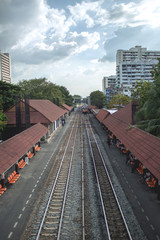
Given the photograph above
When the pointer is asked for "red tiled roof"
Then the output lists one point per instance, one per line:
(125, 113)
(44, 112)
(91, 107)
(14, 148)
(50, 110)
(67, 107)
(102, 114)
(143, 145)
(35, 117)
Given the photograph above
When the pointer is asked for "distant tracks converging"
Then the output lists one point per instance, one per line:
(115, 223)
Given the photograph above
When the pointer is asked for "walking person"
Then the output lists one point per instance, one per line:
(127, 157)
(135, 165)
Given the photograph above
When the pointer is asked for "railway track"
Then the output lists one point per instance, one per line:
(65, 211)
(116, 226)
(51, 224)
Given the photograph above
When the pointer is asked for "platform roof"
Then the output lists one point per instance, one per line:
(127, 112)
(91, 107)
(43, 111)
(14, 148)
(47, 108)
(143, 145)
(68, 108)
(102, 114)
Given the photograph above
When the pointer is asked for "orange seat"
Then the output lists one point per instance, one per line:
(21, 164)
(2, 189)
(124, 151)
(37, 148)
(152, 182)
(140, 168)
(30, 155)
(13, 177)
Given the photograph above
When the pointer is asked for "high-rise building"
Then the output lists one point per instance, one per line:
(134, 65)
(5, 67)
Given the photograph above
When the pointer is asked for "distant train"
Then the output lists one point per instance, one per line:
(84, 109)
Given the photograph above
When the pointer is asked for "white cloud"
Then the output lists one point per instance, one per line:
(90, 12)
(148, 12)
(136, 14)
(85, 40)
(43, 40)
(95, 61)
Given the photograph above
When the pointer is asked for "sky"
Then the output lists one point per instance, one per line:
(73, 43)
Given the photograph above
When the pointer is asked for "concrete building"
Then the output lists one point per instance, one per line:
(5, 67)
(134, 65)
(108, 82)
(109, 87)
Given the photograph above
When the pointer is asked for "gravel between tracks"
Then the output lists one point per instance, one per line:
(134, 227)
(94, 223)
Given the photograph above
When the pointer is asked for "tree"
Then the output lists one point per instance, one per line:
(67, 98)
(77, 98)
(3, 118)
(148, 115)
(34, 87)
(41, 89)
(98, 99)
(53, 93)
(3, 121)
(141, 91)
(119, 100)
(8, 93)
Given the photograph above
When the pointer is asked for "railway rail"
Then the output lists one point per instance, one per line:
(115, 223)
(83, 183)
(52, 221)
(65, 211)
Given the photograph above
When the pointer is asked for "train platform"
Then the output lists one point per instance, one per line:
(17, 151)
(18, 201)
(143, 200)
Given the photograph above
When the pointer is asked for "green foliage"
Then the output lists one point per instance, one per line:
(67, 98)
(3, 121)
(151, 126)
(34, 87)
(43, 89)
(98, 99)
(148, 115)
(141, 91)
(119, 100)
(77, 99)
(51, 91)
(8, 93)
(1, 102)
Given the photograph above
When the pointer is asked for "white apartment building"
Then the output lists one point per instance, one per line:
(5, 67)
(108, 82)
(134, 65)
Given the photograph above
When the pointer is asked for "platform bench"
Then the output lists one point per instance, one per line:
(140, 169)
(21, 163)
(30, 155)
(151, 183)
(37, 148)
(2, 190)
(13, 177)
